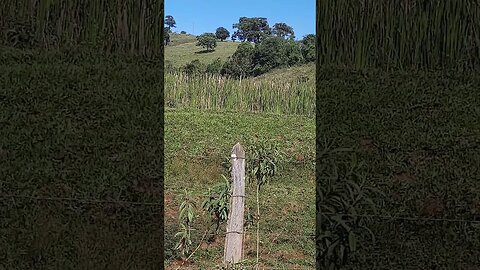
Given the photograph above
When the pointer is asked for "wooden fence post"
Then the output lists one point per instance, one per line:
(234, 236)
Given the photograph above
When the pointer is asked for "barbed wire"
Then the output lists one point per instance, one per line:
(225, 157)
(416, 218)
(90, 201)
(85, 201)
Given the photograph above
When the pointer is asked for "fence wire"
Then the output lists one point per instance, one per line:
(121, 202)
(84, 201)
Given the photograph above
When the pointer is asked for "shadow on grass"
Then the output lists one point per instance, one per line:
(204, 51)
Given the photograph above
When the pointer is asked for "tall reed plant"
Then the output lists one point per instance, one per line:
(115, 25)
(399, 34)
(215, 92)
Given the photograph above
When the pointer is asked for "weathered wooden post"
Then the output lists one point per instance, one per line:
(234, 236)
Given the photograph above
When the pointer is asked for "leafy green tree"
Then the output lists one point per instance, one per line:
(253, 29)
(283, 30)
(274, 53)
(207, 40)
(308, 47)
(183, 32)
(170, 21)
(240, 63)
(222, 33)
(262, 166)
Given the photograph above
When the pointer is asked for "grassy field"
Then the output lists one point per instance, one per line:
(182, 50)
(85, 130)
(178, 39)
(302, 73)
(287, 202)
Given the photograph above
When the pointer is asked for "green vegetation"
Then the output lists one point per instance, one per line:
(273, 49)
(283, 30)
(272, 53)
(275, 53)
(308, 48)
(214, 92)
(253, 29)
(287, 222)
(83, 126)
(222, 33)
(240, 63)
(417, 134)
(208, 41)
(399, 35)
(207, 113)
(53, 24)
(179, 39)
(170, 22)
(398, 86)
(186, 51)
(302, 73)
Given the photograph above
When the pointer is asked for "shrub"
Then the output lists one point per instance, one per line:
(194, 67)
(240, 63)
(308, 48)
(215, 67)
(217, 202)
(274, 53)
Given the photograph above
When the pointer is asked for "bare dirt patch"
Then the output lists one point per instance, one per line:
(181, 264)
(367, 145)
(147, 186)
(404, 178)
(300, 158)
(170, 210)
(432, 206)
(291, 207)
(420, 157)
(291, 255)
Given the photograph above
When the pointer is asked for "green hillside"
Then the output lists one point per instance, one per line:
(182, 50)
(292, 74)
(178, 39)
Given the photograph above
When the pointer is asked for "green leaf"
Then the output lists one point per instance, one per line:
(338, 218)
(352, 241)
(369, 231)
(190, 216)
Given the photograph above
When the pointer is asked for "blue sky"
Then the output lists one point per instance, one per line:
(197, 16)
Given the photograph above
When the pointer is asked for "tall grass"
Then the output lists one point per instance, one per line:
(214, 92)
(115, 25)
(399, 34)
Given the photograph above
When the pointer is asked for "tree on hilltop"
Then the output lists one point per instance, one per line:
(251, 29)
(283, 30)
(207, 40)
(170, 22)
(222, 33)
